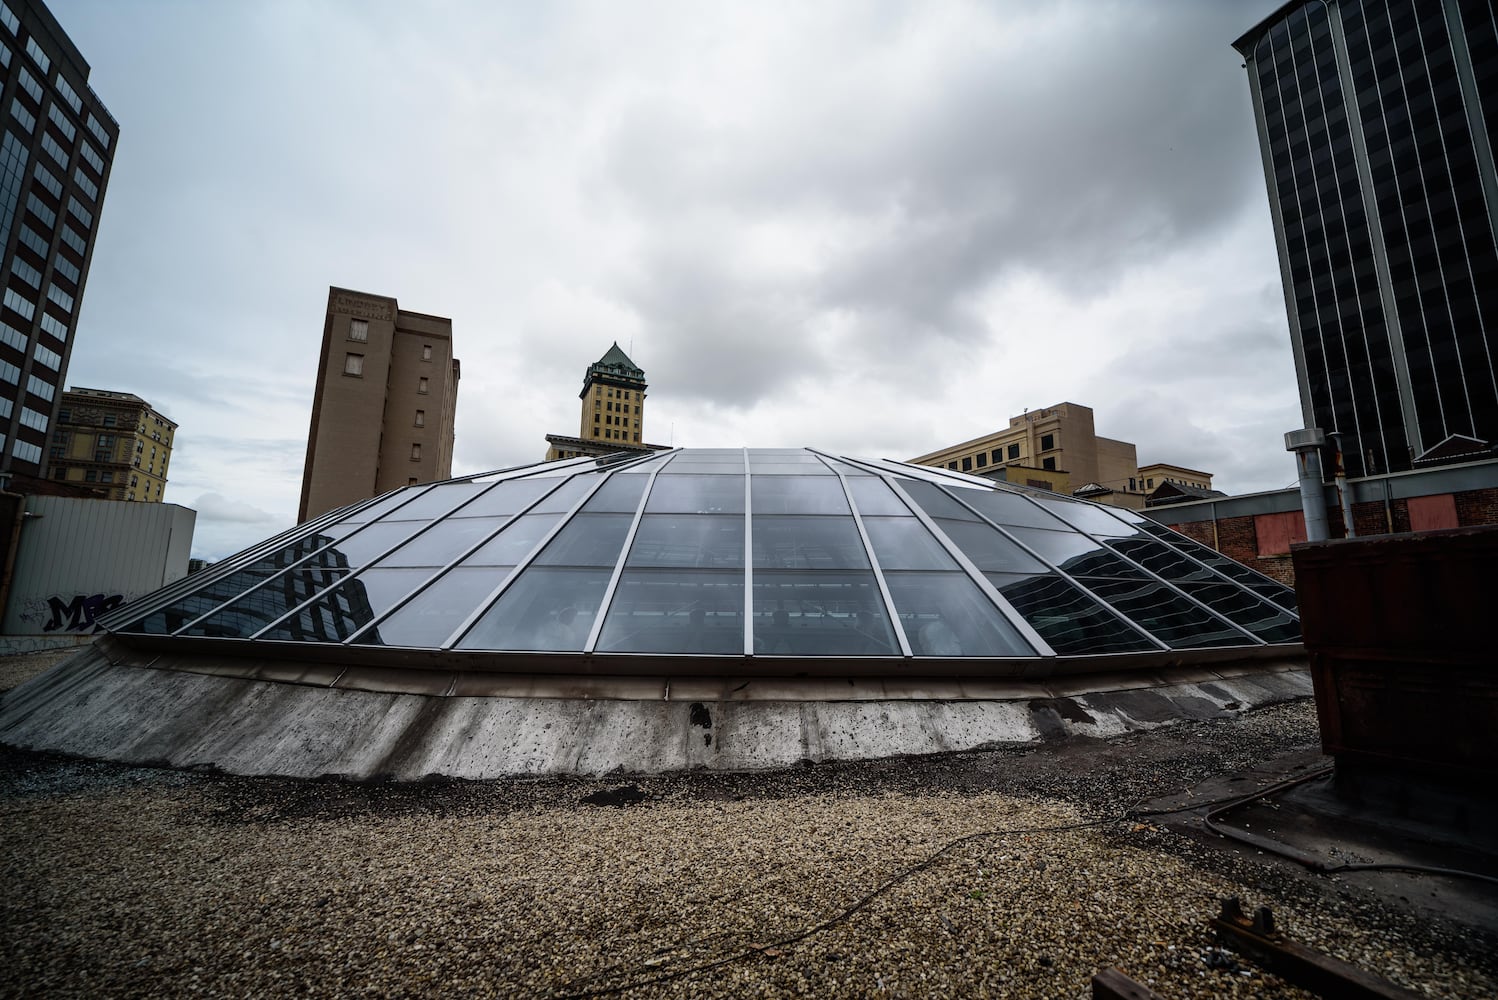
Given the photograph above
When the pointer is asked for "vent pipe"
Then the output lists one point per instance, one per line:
(1307, 444)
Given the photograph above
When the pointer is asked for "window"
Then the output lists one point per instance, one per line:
(73, 240)
(59, 473)
(26, 272)
(15, 338)
(426, 352)
(85, 185)
(26, 451)
(421, 384)
(9, 19)
(47, 180)
(411, 481)
(967, 464)
(59, 296)
(56, 117)
(1149, 484)
(358, 329)
(36, 421)
(92, 158)
(952, 466)
(421, 418)
(54, 150)
(982, 460)
(1131, 484)
(353, 364)
(1013, 452)
(109, 420)
(69, 95)
(1047, 442)
(39, 388)
(90, 476)
(19, 304)
(76, 207)
(18, 112)
(106, 477)
(35, 51)
(47, 357)
(1049, 464)
(416, 453)
(31, 239)
(57, 451)
(29, 84)
(10, 373)
(54, 326)
(98, 130)
(66, 268)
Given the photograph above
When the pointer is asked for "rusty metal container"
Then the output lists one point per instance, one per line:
(1400, 631)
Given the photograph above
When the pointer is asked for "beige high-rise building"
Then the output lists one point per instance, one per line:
(613, 411)
(113, 442)
(384, 407)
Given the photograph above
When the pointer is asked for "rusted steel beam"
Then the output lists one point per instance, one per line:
(1295, 963)
(1111, 984)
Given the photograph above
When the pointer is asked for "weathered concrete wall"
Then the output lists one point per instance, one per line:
(87, 707)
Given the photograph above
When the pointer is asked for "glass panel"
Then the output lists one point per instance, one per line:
(946, 614)
(514, 543)
(546, 608)
(1088, 518)
(435, 613)
(1012, 510)
(1166, 614)
(904, 543)
(821, 614)
(565, 496)
(989, 550)
(1073, 623)
(678, 494)
(1161, 559)
(369, 543)
(784, 468)
(798, 495)
(587, 540)
(437, 501)
(379, 507)
(700, 455)
(734, 467)
(711, 541)
(507, 498)
(1076, 554)
(1238, 605)
(874, 497)
(1232, 569)
(349, 606)
(259, 608)
(621, 494)
(675, 611)
(850, 470)
(936, 503)
(808, 543)
(443, 542)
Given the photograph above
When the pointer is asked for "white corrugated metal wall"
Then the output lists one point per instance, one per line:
(79, 558)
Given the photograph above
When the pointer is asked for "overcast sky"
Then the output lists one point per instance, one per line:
(873, 227)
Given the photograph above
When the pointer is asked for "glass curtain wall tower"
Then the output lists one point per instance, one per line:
(1376, 121)
(56, 148)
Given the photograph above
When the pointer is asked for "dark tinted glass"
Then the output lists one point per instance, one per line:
(1012, 509)
(257, 609)
(1166, 614)
(443, 542)
(808, 543)
(936, 503)
(350, 606)
(587, 540)
(619, 494)
(565, 496)
(820, 614)
(1073, 623)
(510, 497)
(1161, 559)
(1088, 518)
(437, 501)
(1261, 618)
(436, 612)
(1076, 554)
(675, 611)
(515, 542)
(946, 614)
(369, 543)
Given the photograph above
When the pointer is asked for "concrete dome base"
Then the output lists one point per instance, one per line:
(89, 707)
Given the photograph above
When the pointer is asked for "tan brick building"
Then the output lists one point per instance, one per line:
(111, 442)
(613, 411)
(384, 407)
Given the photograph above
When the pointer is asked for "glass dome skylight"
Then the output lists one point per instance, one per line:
(723, 553)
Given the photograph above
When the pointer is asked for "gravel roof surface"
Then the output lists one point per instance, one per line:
(997, 873)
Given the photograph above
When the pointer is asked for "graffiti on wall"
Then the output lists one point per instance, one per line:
(75, 614)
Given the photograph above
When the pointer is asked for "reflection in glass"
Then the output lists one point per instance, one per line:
(565, 496)
(260, 607)
(1236, 604)
(808, 543)
(510, 497)
(704, 540)
(989, 550)
(443, 542)
(1076, 554)
(1013, 510)
(369, 543)
(685, 494)
(546, 608)
(904, 543)
(1073, 623)
(385, 505)
(1165, 614)
(1088, 518)
(439, 501)
(1161, 559)
(350, 606)
(619, 494)
(434, 614)
(675, 611)
(820, 614)
(1232, 569)
(798, 494)
(514, 543)
(946, 614)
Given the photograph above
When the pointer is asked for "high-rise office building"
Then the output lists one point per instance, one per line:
(112, 441)
(1376, 122)
(56, 149)
(384, 407)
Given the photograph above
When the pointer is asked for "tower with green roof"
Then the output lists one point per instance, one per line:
(613, 399)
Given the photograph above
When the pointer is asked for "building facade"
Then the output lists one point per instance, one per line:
(1056, 439)
(613, 411)
(1376, 124)
(384, 409)
(56, 149)
(112, 441)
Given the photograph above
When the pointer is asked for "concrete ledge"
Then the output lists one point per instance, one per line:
(89, 707)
